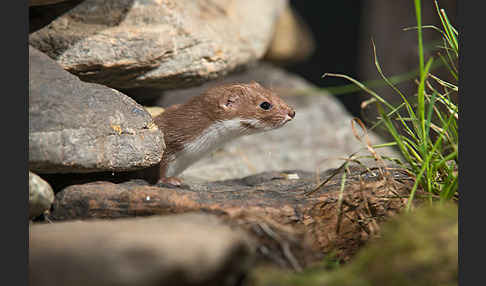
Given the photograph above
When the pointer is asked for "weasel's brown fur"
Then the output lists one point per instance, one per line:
(230, 110)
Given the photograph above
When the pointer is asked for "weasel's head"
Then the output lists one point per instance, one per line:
(257, 108)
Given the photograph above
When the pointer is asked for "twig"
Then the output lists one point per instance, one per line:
(283, 245)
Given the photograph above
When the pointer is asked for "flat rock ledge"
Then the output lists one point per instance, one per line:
(185, 249)
(294, 222)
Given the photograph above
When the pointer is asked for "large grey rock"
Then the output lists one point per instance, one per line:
(188, 249)
(43, 12)
(163, 44)
(84, 127)
(41, 195)
(44, 2)
(318, 138)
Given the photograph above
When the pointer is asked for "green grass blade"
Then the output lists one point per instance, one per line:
(450, 67)
(450, 189)
(421, 102)
(418, 14)
(363, 87)
(429, 114)
(401, 146)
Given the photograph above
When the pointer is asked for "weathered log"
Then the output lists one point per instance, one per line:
(270, 205)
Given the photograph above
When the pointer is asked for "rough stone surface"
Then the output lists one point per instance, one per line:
(189, 249)
(41, 195)
(308, 223)
(164, 44)
(44, 2)
(84, 127)
(318, 138)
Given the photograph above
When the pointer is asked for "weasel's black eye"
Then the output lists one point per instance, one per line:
(265, 105)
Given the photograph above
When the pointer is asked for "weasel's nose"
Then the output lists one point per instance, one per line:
(292, 113)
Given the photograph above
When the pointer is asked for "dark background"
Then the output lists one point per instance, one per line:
(343, 30)
(335, 28)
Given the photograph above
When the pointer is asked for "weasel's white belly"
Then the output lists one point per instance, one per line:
(184, 159)
(213, 137)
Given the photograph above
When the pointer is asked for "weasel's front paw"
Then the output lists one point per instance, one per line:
(177, 182)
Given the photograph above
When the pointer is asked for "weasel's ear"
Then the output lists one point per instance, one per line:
(229, 100)
(231, 97)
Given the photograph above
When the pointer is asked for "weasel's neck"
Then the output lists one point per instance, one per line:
(212, 137)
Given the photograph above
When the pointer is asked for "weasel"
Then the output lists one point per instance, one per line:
(207, 121)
